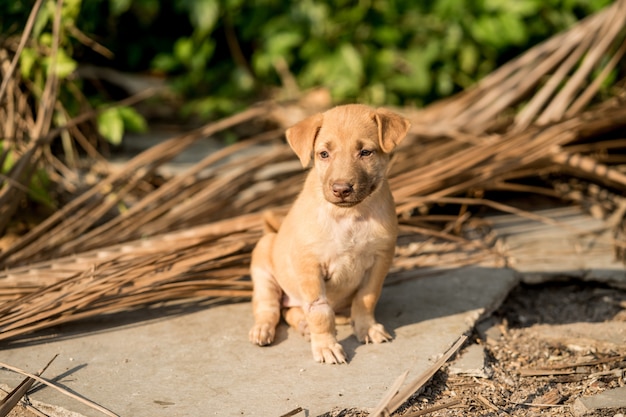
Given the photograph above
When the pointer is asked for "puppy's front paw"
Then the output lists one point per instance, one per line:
(375, 333)
(326, 349)
(262, 334)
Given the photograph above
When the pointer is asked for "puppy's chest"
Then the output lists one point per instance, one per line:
(351, 248)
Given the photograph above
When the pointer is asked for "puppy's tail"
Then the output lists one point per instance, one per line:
(271, 222)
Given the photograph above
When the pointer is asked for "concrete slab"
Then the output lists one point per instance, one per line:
(471, 362)
(560, 243)
(613, 399)
(200, 363)
(489, 330)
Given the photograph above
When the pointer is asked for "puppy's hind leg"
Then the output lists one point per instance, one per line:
(294, 316)
(266, 295)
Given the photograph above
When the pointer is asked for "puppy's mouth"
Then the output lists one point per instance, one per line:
(345, 204)
(352, 199)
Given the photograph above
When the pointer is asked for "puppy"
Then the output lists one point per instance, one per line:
(334, 248)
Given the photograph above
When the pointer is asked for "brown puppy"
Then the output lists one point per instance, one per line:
(334, 247)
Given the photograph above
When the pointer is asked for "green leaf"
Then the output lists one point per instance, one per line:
(420, 74)
(486, 30)
(133, 121)
(201, 55)
(27, 62)
(468, 58)
(118, 7)
(283, 42)
(388, 35)
(64, 64)
(183, 50)
(242, 79)
(376, 94)
(165, 62)
(70, 11)
(111, 125)
(38, 189)
(513, 29)
(46, 39)
(9, 160)
(445, 85)
(450, 9)
(203, 15)
(352, 59)
(517, 7)
(43, 16)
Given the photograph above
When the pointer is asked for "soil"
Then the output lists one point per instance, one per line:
(570, 335)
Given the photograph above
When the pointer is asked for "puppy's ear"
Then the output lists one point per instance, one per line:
(301, 137)
(392, 128)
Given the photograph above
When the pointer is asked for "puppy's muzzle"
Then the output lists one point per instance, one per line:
(342, 190)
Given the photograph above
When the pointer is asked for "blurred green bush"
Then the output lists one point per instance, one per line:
(221, 54)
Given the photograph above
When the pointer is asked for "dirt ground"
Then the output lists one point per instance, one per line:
(545, 347)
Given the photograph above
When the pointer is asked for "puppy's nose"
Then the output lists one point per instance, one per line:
(342, 189)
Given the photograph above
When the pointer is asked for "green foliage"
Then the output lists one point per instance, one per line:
(375, 51)
(113, 121)
(36, 63)
(220, 54)
(38, 188)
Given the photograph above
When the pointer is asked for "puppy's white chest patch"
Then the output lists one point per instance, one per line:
(352, 234)
(350, 249)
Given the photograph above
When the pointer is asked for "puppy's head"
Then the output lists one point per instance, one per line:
(350, 147)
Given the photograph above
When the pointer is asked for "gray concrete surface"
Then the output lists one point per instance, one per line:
(560, 243)
(200, 363)
(613, 399)
(472, 362)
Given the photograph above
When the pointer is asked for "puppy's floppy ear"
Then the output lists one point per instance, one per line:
(301, 137)
(392, 128)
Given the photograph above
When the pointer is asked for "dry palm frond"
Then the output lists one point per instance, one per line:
(208, 261)
(26, 122)
(192, 236)
(86, 211)
(566, 61)
(16, 182)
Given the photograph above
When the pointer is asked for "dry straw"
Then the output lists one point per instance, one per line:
(190, 238)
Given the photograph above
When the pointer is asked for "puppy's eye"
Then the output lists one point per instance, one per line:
(365, 152)
(324, 154)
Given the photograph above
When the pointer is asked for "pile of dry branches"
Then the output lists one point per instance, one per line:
(538, 117)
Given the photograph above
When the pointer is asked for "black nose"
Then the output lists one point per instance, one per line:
(342, 189)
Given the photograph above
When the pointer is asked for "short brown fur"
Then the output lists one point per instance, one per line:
(334, 248)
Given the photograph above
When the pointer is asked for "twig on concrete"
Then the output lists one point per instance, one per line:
(391, 392)
(63, 391)
(402, 395)
(10, 401)
(293, 412)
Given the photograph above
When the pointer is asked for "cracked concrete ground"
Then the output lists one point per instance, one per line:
(201, 363)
